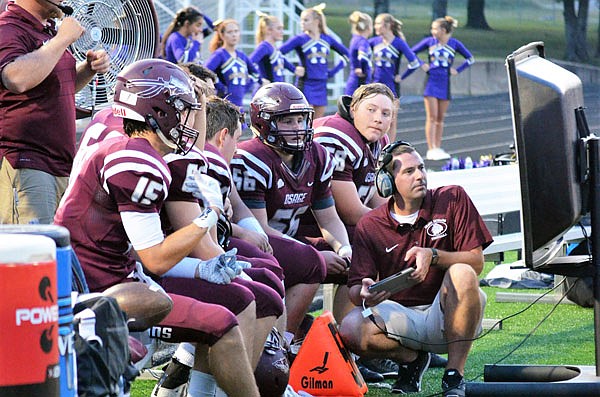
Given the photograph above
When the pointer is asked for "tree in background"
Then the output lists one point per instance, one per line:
(598, 44)
(576, 30)
(439, 9)
(381, 6)
(475, 15)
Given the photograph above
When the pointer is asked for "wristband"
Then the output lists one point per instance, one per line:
(207, 219)
(251, 223)
(345, 251)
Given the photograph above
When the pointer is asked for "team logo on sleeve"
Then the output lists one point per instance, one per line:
(437, 229)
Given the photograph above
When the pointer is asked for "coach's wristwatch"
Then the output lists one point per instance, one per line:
(434, 256)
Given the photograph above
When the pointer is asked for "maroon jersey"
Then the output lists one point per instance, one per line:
(447, 220)
(181, 167)
(103, 126)
(354, 158)
(218, 169)
(121, 175)
(265, 181)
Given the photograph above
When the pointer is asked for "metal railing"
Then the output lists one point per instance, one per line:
(244, 11)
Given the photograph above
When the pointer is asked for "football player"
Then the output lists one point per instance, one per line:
(280, 175)
(111, 209)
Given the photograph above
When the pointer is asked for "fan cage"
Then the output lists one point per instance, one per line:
(126, 30)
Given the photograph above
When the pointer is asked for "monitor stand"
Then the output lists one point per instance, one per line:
(557, 380)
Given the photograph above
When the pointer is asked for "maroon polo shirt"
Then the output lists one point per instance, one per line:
(447, 221)
(37, 127)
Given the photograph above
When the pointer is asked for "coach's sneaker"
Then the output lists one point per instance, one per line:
(368, 375)
(386, 367)
(410, 375)
(173, 382)
(453, 384)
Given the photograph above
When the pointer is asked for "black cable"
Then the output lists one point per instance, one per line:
(371, 316)
(534, 328)
(519, 345)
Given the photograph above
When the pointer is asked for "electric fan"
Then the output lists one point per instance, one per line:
(126, 29)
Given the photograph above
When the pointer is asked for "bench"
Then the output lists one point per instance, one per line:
(495, 191)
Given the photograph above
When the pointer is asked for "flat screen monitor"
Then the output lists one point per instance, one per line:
(546, 101)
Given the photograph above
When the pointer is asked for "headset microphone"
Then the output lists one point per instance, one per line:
(67, 10)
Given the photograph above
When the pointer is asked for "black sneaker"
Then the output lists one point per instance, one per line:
(411, 374)
(453, 384)
(173, 382)
(386, 367)
(438, 361)
(368, 375)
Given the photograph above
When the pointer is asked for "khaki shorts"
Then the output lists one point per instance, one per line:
(416, 324)
(29, 196)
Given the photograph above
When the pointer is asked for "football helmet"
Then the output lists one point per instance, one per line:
(273, 370)
(269, 104)
(160, 94)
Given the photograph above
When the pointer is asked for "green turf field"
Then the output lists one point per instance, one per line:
(566, 337)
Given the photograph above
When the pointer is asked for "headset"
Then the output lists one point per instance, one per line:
(384, 180)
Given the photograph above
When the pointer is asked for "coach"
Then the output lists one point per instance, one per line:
(441, 235)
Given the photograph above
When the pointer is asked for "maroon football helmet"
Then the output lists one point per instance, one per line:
(271, 102)
(273, 370)
(160, 94)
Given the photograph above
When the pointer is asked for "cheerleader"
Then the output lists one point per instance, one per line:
(313, 47)
(361, 65)
(266, 56)
(442, 48)
(388, 47)
(234, 69)
(183, 37)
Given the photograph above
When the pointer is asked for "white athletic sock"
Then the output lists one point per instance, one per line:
(185, 354)
(289, 337)
(202, 385)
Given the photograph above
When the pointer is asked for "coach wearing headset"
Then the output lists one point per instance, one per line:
(439, 233)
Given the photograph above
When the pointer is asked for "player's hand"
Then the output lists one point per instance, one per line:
(299, 71)
(204, 188)
(221, 269)
(227, 208)
(259, 240)
(335, 263)
(425, 67)
(453, 71)
(359, 72)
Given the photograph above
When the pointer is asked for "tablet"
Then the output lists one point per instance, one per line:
(395, 283)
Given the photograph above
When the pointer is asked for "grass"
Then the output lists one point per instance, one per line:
(566, 337)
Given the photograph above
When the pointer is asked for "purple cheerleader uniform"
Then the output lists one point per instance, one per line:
(270, 62)
(180, 49)
(441, 58)
(313, 56)
(386, 61)
(236, 74)
(360, 57)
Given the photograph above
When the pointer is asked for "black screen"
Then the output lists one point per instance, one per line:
(544, 100)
